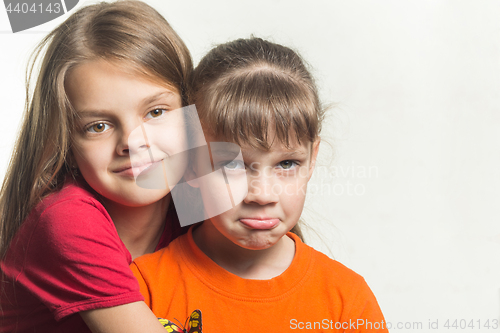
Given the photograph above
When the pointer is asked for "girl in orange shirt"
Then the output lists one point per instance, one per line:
(243, 269)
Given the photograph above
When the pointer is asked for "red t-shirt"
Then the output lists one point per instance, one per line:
(67, 257)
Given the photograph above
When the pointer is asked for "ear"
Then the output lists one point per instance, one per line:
(314, 156)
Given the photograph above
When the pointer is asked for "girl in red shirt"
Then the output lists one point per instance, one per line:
(72, 217)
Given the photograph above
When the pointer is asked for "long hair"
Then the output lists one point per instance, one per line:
(248, 88)
(130, 32)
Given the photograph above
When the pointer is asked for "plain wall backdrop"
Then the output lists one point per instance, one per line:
(407, 192)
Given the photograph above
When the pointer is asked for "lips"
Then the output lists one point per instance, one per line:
(260, 223)
(137, 169)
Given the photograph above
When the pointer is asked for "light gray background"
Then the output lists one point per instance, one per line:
(410, 199)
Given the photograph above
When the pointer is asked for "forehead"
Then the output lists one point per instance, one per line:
(279, 150)
(109, 67)
(97, 84)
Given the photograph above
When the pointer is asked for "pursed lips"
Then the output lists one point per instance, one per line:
(260, 223)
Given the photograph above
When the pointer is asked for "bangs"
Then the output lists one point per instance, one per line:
(259, 106)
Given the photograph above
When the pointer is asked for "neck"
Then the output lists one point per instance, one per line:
(262, 264)
(139, 228)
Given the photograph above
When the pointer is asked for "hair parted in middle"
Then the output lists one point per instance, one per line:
(132, 35)
(254, 92)
(248, 88)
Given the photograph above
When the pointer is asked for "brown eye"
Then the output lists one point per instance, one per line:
(98, 128)
(155, 113)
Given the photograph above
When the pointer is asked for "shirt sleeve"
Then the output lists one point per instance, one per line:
(74, 260)
(364, 312)
(143, 286)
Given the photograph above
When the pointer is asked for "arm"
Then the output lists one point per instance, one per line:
(128, 318)
(91, 266)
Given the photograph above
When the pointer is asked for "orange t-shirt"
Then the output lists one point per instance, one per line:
(315, 293)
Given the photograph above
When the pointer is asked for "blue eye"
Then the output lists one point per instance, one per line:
(234, 165)
(155, 113)
(98, 128)
(287, 164)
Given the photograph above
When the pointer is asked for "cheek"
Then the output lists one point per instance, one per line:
(215, 194)
(293, 196)
(167, 134)
(175, 168)
(173, 141)
(90, 157)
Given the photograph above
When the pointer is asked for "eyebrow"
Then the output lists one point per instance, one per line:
(219, 155)
(154, 98)
(294, 153)
(91, 113)
(225, 153)
(284, 154)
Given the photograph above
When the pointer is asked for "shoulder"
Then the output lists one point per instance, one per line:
(72, 206)
(159, 273)
(73, 197)
(161, 265)
(69, 235)
(331, 276)
(337, 269)
(65, 220)
(328, 266)
(329, 272)
(165, 256)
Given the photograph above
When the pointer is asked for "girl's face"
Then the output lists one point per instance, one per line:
(111, 103)
(277, 181)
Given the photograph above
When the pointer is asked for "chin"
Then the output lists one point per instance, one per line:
(140, 199)
(257, 244)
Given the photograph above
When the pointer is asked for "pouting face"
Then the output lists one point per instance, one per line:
(111, 103)
(276, 182)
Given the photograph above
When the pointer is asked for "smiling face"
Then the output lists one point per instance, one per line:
(111, 103)
(276, 180)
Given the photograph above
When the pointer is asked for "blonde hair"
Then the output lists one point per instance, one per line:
(130, 32)
(248, 88)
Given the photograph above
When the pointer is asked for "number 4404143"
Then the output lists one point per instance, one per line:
(34, 8)
(471, 324)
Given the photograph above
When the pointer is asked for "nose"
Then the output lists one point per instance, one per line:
(132, 138)
(262, 190)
